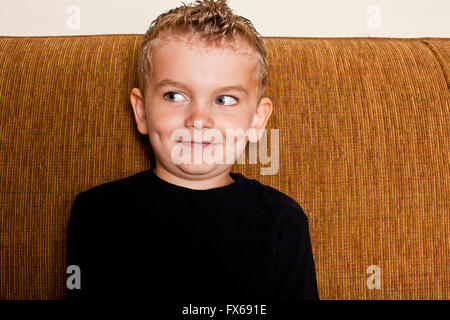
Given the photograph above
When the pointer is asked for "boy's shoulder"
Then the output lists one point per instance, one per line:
(108, 203)
(116, 188)
(276, 200)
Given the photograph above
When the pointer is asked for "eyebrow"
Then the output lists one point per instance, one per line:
(167, 82)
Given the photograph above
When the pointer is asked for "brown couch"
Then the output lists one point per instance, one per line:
(364, 129)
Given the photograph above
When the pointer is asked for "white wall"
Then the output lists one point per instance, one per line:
(301, 18)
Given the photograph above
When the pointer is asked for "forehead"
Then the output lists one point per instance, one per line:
(187, 56)
(194, 41)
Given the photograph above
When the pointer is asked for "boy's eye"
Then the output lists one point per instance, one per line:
(174, 96)
(226, 100)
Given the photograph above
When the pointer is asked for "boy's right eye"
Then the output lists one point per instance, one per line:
(174, 96)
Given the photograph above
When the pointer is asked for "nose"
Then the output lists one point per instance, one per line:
(199, 117)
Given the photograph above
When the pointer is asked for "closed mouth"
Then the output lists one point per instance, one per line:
(193, 142)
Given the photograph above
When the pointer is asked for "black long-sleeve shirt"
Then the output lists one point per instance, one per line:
(143, 238)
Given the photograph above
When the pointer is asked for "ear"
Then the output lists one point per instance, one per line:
(260, 118)
(138, 103)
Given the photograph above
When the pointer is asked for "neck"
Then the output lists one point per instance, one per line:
(197, 182)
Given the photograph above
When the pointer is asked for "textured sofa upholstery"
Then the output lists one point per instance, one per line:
(364, 133)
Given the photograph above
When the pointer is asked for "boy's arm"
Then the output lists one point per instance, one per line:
(77, 248)
(295, 276)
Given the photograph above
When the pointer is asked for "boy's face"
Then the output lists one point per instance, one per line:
(198, 88)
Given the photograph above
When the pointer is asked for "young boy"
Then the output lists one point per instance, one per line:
(188, 229)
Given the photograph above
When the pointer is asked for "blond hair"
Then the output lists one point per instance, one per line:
(214, 22)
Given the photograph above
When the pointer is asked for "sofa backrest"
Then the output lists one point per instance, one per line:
(363, 126)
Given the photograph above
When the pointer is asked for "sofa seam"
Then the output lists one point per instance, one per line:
(439, 60)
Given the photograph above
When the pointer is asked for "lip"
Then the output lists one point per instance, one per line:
(193, 143)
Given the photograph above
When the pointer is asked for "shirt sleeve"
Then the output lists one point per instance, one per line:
(78, 248)
(295, 276)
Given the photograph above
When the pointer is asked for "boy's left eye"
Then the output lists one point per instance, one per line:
(226, 100)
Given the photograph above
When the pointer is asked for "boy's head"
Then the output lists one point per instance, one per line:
(215, 24)
(202, 70)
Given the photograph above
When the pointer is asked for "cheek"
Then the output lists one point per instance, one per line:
(163, 122)
(241, 121)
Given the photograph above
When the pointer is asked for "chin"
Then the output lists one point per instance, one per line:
(197, 169)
